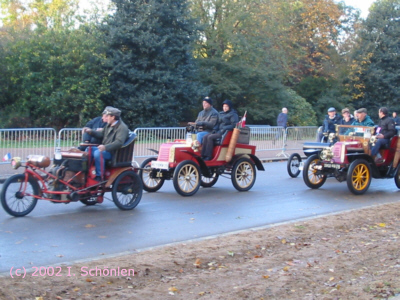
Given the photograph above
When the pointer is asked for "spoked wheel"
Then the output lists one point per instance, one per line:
(359, 177)
(310, 176)
(293, 165)
(149, 184)
(207, 182)
(243, 174)
(17, 195)
(397, 178)
(127, 190)
(187, 178)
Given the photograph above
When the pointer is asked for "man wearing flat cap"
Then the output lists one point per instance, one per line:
(363, 119)
(113, 137)
(206, 120)
(331, 119)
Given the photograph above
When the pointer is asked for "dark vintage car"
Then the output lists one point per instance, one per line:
(181, 162)
(350, 160)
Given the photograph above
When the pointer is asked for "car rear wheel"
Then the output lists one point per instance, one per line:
(243, 174)
(310, 176)
(359, 176)
(187, 178)
(293, 165)
(127, 190)
(149, 184)
(207, 182)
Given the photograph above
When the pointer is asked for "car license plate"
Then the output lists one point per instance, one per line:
(301, 166)
(164, 165)
(333, 166)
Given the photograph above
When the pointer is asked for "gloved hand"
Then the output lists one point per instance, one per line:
(326, 134)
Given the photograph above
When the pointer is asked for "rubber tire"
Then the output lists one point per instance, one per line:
(33, 187)
(127, 186)
(397, 178)
(191, 172)
(359, 173)
(207, 182)
(243, 171)
(89, 202)
(307, 173)
(159, 182)
(292, 166)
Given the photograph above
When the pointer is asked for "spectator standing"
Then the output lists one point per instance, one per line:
(396, 119)
(282, 121)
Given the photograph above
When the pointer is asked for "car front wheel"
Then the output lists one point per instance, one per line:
(359, 176)
(187, 178)
(310, 176)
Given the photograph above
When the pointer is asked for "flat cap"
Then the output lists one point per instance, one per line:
(106, 109)
(112, 111)
(362, 110)
(331, 109)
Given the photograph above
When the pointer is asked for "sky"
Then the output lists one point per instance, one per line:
(363, 5)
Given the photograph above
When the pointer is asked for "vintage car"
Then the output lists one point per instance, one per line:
(71, 179)
(350, 160)
(181, 161)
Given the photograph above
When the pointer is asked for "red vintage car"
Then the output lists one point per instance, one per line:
(71, 179)
(350, 160)
(181, 161)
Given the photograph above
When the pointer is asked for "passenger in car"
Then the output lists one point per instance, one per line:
(227, 120)
(363, 119)
(385, 131)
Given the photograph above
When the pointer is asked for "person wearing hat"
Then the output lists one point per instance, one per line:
(97, 124)
(331, 119)
(227, 120)
(363, 119)
(112, 138)
(384, 132)
(206, 120)
(347, 118)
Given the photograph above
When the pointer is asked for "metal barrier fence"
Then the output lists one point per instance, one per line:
(25, 141)
(152, 138)
(272, 141)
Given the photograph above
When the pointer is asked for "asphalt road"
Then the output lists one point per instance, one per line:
(60, 233)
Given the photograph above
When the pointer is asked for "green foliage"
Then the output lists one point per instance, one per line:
(152, 73)
(375, 81)
(300, 112)
(54, 77)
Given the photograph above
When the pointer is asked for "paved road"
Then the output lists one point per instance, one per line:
(59, 233)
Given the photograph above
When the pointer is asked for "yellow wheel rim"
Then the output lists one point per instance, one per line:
(360, 177)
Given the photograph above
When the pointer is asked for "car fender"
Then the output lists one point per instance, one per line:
(116, 174)
(254, 158)
(203, 167)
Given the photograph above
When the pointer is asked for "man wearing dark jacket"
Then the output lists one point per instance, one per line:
(331, 119)
(97, 124)
(113, 137)
(226, 122)
(385, 131)
(207, 119)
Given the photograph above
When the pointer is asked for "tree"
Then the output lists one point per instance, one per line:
(54, 78)
(375, 72)
(152, 73)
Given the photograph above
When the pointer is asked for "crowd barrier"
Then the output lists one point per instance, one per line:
(272, 141)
